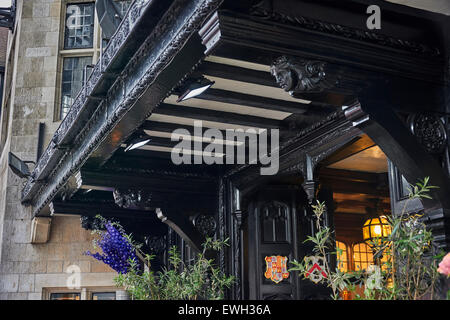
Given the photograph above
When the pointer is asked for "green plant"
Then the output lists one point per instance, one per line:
(411, 273)
(323, 243)
(200, 280)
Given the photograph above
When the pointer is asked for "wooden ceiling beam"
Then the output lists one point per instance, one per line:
(159, 182)
(167, 142)
(167, 127)
(356, 146)
(265, 103)
(105, 209)
(218, 116)
(230, 72)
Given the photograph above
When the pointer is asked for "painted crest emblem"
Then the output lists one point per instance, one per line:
(276, 268)
(315, 268)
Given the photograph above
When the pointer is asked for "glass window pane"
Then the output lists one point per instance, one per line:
(342, 260)
(72, 80)
(79, 28)
(362, 255)
(65, 296)
(104, 296)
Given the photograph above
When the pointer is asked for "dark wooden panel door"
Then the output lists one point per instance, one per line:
(273, 230)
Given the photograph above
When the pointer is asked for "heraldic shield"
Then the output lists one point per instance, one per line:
(276, 268)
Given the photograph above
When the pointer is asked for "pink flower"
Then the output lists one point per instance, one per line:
(444, 266)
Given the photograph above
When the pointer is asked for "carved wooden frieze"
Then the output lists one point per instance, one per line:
(429, 131)
(67, 129)
(298, 76)
(264, 9)
(156, 244)
(88, 128)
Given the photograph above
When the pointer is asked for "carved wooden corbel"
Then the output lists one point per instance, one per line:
(133, 198)
(300, 76)
(183, 227)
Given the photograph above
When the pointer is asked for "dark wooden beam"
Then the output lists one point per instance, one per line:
(217, 116)
(230, 72)
(267, 32)
(167, 142)
(105, 209)
(358, 145)
(324, 99)
(344, 205)
(171, 127)
(162, 182)
(265, 103)
(346, 181)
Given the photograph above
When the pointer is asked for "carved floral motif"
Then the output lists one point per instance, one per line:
(205, 224)
(429, 131)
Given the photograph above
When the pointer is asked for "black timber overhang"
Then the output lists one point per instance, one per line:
(159, 44)
(145, 44)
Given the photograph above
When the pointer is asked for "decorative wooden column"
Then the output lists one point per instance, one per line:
(237, 246)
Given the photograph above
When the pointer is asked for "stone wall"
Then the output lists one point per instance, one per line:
(25, 268)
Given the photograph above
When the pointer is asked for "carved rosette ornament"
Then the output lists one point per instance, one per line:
(156, 244)
(298, 76)
(132, 198)
(429, 131)
(206, 225)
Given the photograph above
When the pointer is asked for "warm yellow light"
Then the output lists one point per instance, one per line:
(377, 231)
(376, 228)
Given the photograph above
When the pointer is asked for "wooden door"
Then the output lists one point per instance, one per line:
(272, 231)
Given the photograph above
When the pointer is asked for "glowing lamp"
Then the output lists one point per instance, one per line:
(375, 229)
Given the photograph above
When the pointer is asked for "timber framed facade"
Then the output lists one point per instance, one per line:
(312, 70)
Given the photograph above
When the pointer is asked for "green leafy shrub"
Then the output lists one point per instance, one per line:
(201, 280)
(178, 281)
(410, 274)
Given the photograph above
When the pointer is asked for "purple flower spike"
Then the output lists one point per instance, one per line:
(117, 251)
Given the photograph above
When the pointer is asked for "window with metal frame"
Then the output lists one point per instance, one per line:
(72, 80)
(79, 26)
(362, 256)
(342, 256)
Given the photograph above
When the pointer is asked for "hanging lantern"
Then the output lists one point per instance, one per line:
(375, 229)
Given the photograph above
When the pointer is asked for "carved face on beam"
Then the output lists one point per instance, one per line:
(299, 76)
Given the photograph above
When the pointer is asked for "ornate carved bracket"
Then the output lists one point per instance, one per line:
(298, 76)
(183, 227)
(91, 223)
(133, 198)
